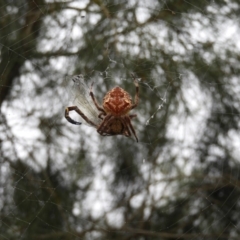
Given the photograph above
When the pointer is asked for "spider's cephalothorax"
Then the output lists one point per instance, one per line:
(114, 112)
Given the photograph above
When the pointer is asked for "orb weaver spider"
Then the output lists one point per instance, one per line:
(113, 116)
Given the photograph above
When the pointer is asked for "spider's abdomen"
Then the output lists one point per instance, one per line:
(117, 102)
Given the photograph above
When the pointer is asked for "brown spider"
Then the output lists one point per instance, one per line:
(114, 113)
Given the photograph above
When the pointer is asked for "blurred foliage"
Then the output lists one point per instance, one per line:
(181, 181)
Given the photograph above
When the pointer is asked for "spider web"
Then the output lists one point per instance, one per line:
(62, 181)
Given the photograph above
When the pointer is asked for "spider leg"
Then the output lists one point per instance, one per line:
(128, 120)
(136, 99)
(95, 101)
(101, 115)
(67, 110)
(77, 110)
(126, 131)
(104, 123)
(132, 116)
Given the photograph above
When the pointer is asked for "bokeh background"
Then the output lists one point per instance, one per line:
(62, 181)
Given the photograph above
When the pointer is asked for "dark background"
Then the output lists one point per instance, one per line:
(60, 181)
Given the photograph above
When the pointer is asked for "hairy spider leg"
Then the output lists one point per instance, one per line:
(77, 110)
(132, 116)
(103, 124)
(95, 101)
(102, 115)
(126, 131)
(128, 120)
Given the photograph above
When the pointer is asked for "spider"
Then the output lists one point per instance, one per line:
(113, 115)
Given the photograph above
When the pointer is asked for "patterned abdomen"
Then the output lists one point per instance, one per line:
(117, 102)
